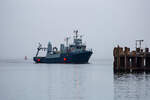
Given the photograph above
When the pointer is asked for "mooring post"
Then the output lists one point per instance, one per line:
(115, 59)
(125, 58)
(118, 58)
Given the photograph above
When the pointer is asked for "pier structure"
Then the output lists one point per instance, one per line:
(127, 61)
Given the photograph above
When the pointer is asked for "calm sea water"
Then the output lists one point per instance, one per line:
(24, 80)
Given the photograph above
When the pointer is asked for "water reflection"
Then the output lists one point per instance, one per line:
(132, 86)
(80, 82)
(77, 80)
(66, 83)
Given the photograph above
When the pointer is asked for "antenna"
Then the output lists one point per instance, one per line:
(67, 40)
(139, 42)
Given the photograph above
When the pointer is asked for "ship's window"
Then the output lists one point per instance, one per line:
(71, 45)
(78, 47)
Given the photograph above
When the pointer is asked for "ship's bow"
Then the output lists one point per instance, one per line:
(82, 57)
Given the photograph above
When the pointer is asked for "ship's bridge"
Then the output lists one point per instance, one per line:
(77, 47)
(78, 41)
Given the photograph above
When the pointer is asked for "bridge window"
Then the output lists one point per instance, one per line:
(78, 47)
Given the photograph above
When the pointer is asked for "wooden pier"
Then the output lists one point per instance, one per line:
(126, 61)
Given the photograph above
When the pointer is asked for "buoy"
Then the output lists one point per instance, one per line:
(25, 58)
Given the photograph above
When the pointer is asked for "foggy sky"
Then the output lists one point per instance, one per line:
(104, 24)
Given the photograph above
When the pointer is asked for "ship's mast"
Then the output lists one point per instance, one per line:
(76, 33)
(67, 41)
(77, 38)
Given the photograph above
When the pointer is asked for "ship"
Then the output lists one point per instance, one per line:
(76, 52)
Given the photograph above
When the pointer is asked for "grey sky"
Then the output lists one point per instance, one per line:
(105, 23)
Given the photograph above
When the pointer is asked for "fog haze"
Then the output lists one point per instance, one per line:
(104, 24)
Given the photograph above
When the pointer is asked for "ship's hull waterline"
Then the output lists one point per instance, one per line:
(81, 57)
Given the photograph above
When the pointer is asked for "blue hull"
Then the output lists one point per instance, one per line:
(82, 57)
